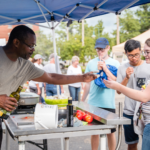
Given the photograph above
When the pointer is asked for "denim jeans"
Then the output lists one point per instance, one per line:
(74, 92)
(34, 90)
(51, 89)
(146, 138)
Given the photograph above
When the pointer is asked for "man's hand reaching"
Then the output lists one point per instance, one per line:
(88, 77)
(8, 103)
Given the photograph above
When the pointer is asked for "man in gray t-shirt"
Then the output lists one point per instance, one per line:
(132, 74)
(15, 69)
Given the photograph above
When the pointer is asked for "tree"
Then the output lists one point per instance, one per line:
(74, 45)
(143, 14)
(129, 26)
(44, 45)
(63, 32)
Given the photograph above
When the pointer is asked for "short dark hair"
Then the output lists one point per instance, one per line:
(130, 45)
(147, 42)
(20, 32)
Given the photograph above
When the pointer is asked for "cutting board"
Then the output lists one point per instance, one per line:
(23, 120)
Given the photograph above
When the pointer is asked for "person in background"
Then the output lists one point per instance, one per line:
(99, 96)
(142, 96)
(74, 69)
(16, 69)
(36, 87)
(30, 59)
(132, 74)
(51, 89)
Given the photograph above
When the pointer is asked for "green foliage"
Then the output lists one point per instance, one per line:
(133, 23)
(142, 57)
(129, 26)
(74, 45)
(44, 45)
(143, 14)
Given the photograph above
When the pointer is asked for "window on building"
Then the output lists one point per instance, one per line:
(9, 26)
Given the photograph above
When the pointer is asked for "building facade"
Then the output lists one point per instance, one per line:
(6, 29)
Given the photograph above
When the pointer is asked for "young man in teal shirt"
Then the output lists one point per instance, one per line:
(101, 97)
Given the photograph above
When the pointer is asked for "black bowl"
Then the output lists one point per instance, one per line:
(62, 113)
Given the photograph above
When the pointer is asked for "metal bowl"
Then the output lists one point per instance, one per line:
(62, 113)
(28, 98)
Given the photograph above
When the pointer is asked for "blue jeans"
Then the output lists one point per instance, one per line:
(34, 90)
(74, 92)
(146, 138)
(51, 89)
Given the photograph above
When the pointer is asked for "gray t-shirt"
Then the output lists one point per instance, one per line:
(138, 78)
(13, 74)
(50, 68)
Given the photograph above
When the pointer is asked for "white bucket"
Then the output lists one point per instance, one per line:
(46, 116)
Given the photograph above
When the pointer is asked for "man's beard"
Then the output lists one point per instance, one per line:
(25, 57)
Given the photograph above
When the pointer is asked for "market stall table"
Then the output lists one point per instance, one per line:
(106, 121)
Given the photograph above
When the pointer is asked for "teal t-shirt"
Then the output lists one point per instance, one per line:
(101, 97)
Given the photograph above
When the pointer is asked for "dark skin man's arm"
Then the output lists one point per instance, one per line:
(59, 79)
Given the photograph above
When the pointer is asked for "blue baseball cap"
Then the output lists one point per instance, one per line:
(101, 43)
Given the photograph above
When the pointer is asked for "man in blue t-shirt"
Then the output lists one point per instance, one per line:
(101, 97)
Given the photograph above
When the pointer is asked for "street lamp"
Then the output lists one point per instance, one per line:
(93, 36)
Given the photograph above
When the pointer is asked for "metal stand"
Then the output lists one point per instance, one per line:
(39, 145)
(7, 140)
(21, 145)
(67, 143)
(103, 142)
(45, 146)
(119, 127)
(62, 143)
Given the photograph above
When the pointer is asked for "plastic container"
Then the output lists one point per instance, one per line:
(46, 116)
(59, 102)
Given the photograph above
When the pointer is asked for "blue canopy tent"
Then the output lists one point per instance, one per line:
(29, 11)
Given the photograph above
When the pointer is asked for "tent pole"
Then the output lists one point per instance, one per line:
(64, 16)
(55, 53)
(97, 7)
(8, 23)
(82, 32)
(130, 4)
(43, 15)
(24, 22)
(118, 38)
(104, 1)
(7, 18)
(35, 16)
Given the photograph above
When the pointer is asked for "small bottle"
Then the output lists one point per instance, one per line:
(4, 113)
(69, 113)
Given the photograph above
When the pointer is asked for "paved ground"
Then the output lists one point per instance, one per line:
(76, 143)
